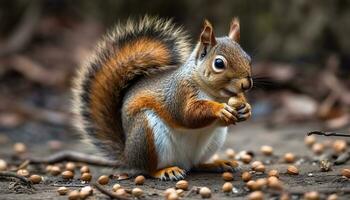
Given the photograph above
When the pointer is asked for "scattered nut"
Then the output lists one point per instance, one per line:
(313, 195)
(139, 180)
(246, 176)
(227, 176)
(339, 146)
(67, 175)
(273, 172)
(293, 170)
(35, 179)
(173, 196)
(260, 168)
(182, 185)
(255, 164)
(74, 195)
(19, 148)
(83, 194)
(205, 192)
(84, 169)
(252, 185)
(168, 191)
(318, 148)
(116, 187)
(62, 190)
(86, 177)
(23, 172)
(257, 195)
(261, 183)
(55, 170)
(70, 166)
(120, 192)
(332, 197)
(88, 189)
(215, 157)
(48, 168)
(246, 158)
(3, 165)
(325, 165)
(345, 172)
(274, 183)
(266, 150)
(289, 157)
(230, 153)
(180, 192)
(310, 140)
(227, 187)
(103, 180)
(137, 192)
(284, 196)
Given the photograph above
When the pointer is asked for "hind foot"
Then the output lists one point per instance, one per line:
(218, 166)
(170, 173)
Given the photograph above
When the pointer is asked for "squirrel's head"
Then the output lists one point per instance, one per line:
(222, 66)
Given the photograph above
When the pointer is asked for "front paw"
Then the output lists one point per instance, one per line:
(228, 115)
(244, 112)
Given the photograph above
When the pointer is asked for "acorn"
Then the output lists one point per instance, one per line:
(62, 190)
(116, 187)
(139, 180)
(35, 179)
(313, 195)
(246, 176)
(74, 195)
(103, 180)
(266, 150)
(227, 176)
(23, 172)
(227, 187)
(345, 172)
(86, 177)
(274, 173)
(67, 175)
(19, 148)
(310, 140)
(84, 169)
(293, 170)
(246, 158)
(230, 153)
(205, 192)
(289, 157)
(257, 195)
(182, 184)
(70, 166)
(137, 192)
(3, 165)
(55, 170)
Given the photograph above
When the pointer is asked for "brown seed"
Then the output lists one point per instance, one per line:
(55, 170)
(173, 196)
(116, 187)
(339, 146)
(35, 179)
(48, 168)
(67, 175)
(285, 196)
(139, 180)
(260, 168)
(3, 165)
(261, 182)
(168, 191)
(103, 180)
(182, 185)
(86, 177)
(289, 157)
(84, 169)
(19, 148)
(180, 192)
(310, 140)
(227, 176)
(246, 158)
(23, 172)
(88, 189)
(230, 153)
(137, 192)
(332, 197)
(246, 176)
(120, 192)
(205, 192)
(318, 148)
(74, 195)
(293, 170)
(257, 195)
(70, 166)
(274, 183)
(313, 195)
(83, 194)
(345, 172)
(252, 185)
(215, 157)
(255, 164)
(62, 190)
(266, 150)
(227, 187)
(273, 172)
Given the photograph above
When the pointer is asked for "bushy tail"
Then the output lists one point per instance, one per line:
(130, 50)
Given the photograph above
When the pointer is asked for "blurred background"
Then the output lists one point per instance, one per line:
(300, 51)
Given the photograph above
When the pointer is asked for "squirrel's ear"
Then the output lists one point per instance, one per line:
(234, 33)
(207, 36)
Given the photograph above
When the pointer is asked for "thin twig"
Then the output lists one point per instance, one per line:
(108, 193)
(14, 175)
(328, 134)
(75, 157)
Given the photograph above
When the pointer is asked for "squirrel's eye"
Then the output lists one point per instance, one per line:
(219, 64)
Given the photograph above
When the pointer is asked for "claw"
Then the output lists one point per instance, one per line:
(170, 173)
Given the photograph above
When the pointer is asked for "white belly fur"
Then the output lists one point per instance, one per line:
(184, 147)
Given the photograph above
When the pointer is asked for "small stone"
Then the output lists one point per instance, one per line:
(227, 176)
(3, 165)
(246, 158)
(103, 180)
(310, 140)
(19, 148)
(35, 179)
(137, 192)
(266, 150)
(230, 153)
(345, 172)
(293, 170)
(318, 148)
(62, 190)
(74, 195)
(332, 197)
(139, 180)
(116, 187)
(55, 170)
(273, 172)
(205, 192)
(83, 194)
(182, 185)
(84, 169)
(70, 166)
(227, 187)
(23, 172)
(67, 175)
(313, 195)
(86, 177)
(325, 165)
(246, 176)
(257, 195)
(289, 157)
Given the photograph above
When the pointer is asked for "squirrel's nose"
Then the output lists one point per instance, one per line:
(246, 83)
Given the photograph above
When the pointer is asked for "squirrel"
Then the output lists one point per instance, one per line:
(146, 99)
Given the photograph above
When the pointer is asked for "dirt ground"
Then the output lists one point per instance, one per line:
(246, 136)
